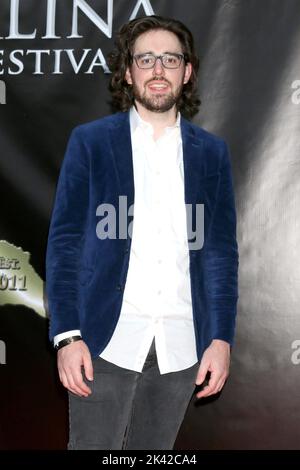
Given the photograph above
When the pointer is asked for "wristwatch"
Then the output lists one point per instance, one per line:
(66, 341)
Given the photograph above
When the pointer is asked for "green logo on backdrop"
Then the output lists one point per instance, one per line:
(19, 283)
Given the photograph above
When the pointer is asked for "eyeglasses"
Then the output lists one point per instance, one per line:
(148, 61)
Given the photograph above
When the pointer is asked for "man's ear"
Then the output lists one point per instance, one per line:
(188, 72)
(128, 76)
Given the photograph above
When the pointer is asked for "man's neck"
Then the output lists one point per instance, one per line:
(159, 121)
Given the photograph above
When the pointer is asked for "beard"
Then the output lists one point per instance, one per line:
(158, 103)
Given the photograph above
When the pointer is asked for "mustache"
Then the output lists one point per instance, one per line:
(161, 79)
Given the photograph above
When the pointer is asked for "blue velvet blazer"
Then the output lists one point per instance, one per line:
(85, 275)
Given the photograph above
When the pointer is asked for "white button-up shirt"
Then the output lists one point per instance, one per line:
(157, 293)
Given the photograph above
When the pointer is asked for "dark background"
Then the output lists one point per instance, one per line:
(250, 57)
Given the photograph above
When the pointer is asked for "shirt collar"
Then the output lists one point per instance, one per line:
(137, 122)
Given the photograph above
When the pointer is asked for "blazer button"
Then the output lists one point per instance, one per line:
(119, 287)
(126, 250)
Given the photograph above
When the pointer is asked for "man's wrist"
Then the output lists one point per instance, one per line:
(66, 334)
(66, 341)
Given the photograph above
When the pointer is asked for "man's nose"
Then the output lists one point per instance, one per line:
(158, 68)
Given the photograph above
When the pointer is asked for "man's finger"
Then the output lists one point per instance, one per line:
(78, 382)
(66, 383)
(77, 388)
(201, 373)
(211, 388)
(63, 378)
(88, 367)
(204, 393)
(220, 384)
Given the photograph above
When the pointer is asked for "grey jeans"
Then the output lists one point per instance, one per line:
(131, 410)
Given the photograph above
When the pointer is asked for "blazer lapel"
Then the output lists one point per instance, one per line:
(192, 149)
(122, 155)
(200, 183)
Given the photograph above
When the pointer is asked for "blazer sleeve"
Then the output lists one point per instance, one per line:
(221, 256)
(65, 238)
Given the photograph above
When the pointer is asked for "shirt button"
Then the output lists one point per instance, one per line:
(159, 261)
(159, 292)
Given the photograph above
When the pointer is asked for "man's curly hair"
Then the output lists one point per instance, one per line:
(121, 58)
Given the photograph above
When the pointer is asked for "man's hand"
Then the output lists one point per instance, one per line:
(216, 360)
(70, 358)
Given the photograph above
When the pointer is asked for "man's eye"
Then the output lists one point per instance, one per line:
(171, 60)
(146, 60)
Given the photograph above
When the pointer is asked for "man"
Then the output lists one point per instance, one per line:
(141, 315)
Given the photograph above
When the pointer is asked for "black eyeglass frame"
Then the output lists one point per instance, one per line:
(160, 57)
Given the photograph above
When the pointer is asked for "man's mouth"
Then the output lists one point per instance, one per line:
(157, 86)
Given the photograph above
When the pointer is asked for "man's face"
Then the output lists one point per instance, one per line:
(157, 89)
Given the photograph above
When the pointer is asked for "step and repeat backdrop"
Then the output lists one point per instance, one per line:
(53, 76)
